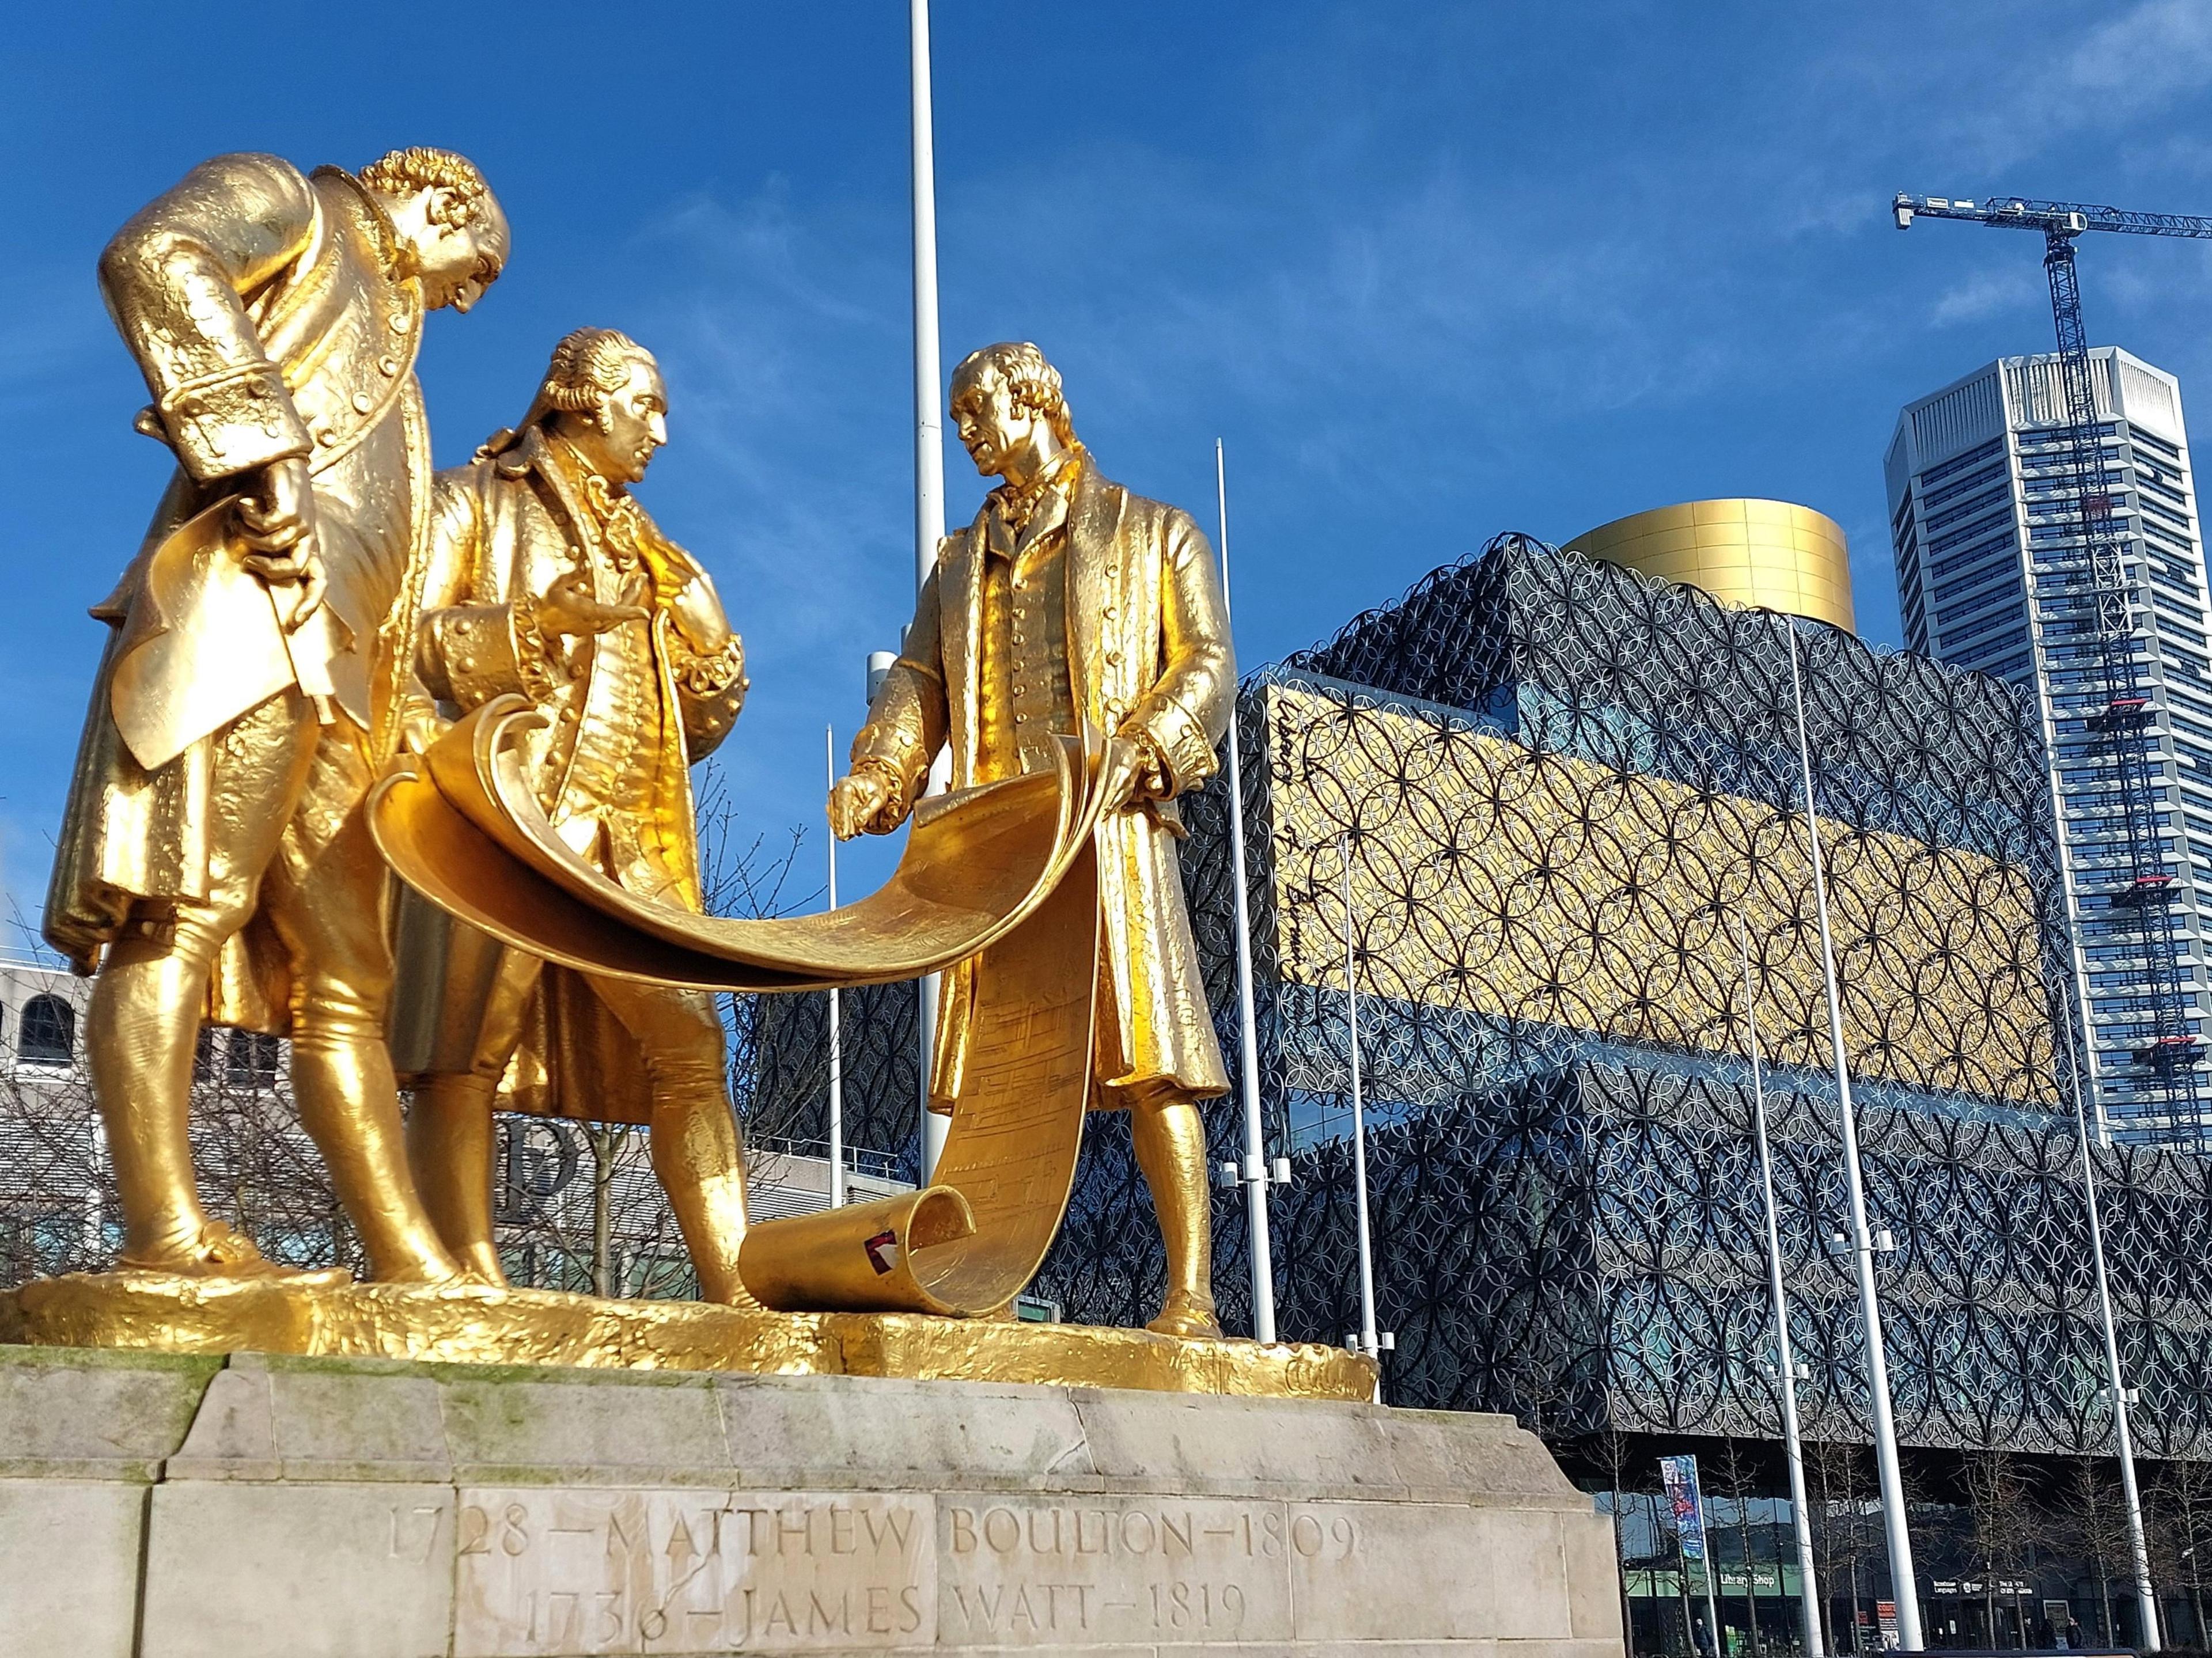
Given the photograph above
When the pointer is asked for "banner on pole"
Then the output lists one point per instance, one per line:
(1679, 1475)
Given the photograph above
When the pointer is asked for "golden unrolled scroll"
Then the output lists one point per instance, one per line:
(1004, 872)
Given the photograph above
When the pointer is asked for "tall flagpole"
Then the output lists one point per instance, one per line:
(1253, 1177)
(836, 1034)
(2147, 1638)
(1371, 1340)
(1904, 1586)
(1808, 1595)
(928, 460)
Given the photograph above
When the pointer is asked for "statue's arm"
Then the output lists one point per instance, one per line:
(906, 722)
(467, 648)
(176, 280)
(1186, 713)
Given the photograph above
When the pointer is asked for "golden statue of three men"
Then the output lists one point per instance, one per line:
(311, 608)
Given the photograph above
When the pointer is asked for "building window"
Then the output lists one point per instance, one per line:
(204, 1057)
(47, 1031)
(253, 1058)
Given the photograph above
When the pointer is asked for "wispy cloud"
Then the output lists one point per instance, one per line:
(2140, 61)
(1986, 293)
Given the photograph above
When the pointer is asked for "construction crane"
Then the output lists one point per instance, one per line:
(2104, 603)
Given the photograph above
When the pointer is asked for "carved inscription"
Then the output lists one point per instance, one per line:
(1016, 1571)
(576, 1572)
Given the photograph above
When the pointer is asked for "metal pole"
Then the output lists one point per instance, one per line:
(1369, 1338)
(1903, 1587)
(836, 1034)
(2146, 1597)
(1808, 1602)
(1254, 1176)
(928, 460)
(2148, 1634)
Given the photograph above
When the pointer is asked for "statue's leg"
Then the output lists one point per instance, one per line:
(1169, 1137)
(449, 1148)
(144, 1021)
(449, 1126)
(330, 915)
(696, 1150)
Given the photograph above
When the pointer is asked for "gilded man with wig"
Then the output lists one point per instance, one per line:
(214, 858)
(1068, 600)
(550, 580)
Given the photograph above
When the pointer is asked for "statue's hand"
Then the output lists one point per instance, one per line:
(864, 801)
(569, 608)
(277, 519)
(278, 512)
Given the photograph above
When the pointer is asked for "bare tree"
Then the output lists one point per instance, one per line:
(1736, 1478)
(1840, 1487)
(2004, 1525)
(2180, 1510)
(2099, 1523)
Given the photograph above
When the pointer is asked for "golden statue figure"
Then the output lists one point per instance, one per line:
(549, 582)
(1070, 600)
(213, 859)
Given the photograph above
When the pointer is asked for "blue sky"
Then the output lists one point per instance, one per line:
(1431, 271)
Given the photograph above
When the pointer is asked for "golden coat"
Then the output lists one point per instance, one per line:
(265, 309)
(505, 531)
(1150, 657)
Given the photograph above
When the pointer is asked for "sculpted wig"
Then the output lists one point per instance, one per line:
(588, 367)
(1033, 383)
(408, 172)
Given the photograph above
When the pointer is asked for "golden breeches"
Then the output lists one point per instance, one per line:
(281, 785)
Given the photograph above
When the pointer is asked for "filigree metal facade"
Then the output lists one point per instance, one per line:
(1558, 783)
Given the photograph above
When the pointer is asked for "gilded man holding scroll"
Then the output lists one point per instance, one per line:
(214, 859)
(1071, 599)
(548, 580)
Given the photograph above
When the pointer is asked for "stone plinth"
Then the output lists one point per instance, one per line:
(254, 1507)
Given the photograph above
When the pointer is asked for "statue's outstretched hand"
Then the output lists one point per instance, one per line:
(864, 801)
(569, 608)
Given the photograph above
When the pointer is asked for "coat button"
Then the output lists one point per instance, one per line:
(387, 367)
(362, 403)
(1021, 719)
(1109, 613)
(397, 322)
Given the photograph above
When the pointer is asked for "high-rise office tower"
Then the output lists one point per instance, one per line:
(1985, 519)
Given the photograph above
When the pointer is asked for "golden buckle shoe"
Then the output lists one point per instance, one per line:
(1187, 1314)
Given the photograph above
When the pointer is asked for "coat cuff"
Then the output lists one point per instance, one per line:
(468, 655)
(237, 420)
(1179, 743)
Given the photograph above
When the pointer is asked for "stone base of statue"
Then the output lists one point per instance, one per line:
(163, 1505)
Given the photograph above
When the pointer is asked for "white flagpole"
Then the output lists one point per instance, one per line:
(1370, 1339)
(2147, 1638)
(1904, 1585)
(928, 460)
(1808, 1598)
(836, 1034)
(1253, 1177)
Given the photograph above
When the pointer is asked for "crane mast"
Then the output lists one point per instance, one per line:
(2099, 602)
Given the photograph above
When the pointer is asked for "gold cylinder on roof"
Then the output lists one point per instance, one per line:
(1770, 553)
